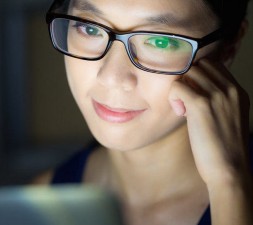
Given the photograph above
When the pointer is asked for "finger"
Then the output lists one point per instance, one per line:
(218, 73)
(182, 97)
(199, 79)
(210, 75)
(178, 107)
(222, 77)
(213, 80)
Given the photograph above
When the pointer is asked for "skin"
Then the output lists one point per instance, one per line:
(189, 148)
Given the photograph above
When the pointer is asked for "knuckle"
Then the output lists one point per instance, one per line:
(202, 102)
(218, 95)
(239, 94)
(233, 92)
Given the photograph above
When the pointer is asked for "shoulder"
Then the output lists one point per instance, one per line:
(97, 167)
(68, 171)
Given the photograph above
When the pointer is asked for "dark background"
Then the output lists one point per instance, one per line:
(40, 124)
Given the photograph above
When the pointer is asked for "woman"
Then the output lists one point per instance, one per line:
(171, 119)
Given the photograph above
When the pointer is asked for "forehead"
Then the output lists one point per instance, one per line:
(191, 14)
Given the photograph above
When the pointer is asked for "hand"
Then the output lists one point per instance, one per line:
(216, 109)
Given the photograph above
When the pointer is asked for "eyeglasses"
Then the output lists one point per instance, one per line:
(155, 52)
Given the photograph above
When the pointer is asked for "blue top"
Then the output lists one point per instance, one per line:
(72, 172)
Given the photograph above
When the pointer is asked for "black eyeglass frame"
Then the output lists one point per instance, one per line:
(197, 43)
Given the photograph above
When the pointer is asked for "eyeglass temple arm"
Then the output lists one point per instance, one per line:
(210, 38)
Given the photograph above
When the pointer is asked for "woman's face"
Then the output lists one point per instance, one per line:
(127, 108)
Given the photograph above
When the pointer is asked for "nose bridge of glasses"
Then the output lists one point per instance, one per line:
(123, 38)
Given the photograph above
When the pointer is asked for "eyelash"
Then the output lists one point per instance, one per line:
(82, 26)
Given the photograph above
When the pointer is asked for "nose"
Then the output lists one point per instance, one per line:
(116, 69)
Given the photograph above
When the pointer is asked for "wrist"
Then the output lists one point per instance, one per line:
(236, 176)
(233, 200)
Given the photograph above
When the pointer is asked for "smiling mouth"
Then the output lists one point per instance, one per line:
(115, 115)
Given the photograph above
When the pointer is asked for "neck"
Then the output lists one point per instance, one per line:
(165, 168)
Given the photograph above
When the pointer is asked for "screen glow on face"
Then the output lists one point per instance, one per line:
(150, 51)
(163, 42)
(162, 52)
(88, 30)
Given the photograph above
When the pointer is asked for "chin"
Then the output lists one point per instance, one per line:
(125, 140)
(138, 133)
(118, 142)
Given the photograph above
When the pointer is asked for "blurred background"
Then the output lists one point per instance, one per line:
(40, 124)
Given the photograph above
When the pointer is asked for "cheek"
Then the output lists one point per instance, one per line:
(156, 91)
(151, 89)
(81, 76)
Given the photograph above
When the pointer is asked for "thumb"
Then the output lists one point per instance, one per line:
(180, 97)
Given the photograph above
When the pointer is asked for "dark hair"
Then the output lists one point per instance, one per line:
(231, 13)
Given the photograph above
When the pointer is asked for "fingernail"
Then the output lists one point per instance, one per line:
(178, 107)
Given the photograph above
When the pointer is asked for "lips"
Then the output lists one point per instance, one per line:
(115, 115)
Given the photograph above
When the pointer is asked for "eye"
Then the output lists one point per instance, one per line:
(88, 29)
(162, 42)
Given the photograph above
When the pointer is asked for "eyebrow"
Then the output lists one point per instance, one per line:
(85, 5)
(168, 19)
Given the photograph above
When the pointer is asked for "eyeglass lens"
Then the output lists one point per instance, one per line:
(157, 52)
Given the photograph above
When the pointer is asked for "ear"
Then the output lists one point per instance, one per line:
(231, 47)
